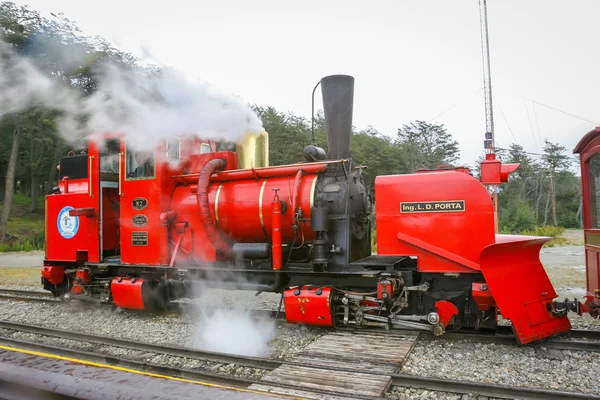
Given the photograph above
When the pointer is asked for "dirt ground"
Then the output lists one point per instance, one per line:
(565, 264)
(21, 259)
(572, 237)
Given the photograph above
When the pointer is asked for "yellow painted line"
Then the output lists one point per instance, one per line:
(135, 371)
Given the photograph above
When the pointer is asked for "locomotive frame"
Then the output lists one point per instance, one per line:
(215, 215)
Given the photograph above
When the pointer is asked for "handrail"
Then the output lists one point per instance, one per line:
(91, 158)
(120, 168)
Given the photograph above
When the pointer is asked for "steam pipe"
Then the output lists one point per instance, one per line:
(263, 173)
(312, 119)
(211, 230)
(297, 181)
(276, 239)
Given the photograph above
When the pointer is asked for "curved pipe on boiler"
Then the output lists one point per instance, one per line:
(210, 228)
(297, 181)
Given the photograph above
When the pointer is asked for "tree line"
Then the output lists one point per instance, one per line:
(543, 191)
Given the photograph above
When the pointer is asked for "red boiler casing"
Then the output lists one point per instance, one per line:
(242, 211)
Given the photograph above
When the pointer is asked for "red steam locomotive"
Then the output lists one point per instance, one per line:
(139, 229)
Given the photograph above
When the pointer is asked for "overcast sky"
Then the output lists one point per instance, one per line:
(411, 59)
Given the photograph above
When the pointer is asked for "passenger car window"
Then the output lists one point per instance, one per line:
(594, 181)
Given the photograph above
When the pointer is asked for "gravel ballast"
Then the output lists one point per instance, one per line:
(143, 356)
(488, 363)
(280, 340)
(524, 366)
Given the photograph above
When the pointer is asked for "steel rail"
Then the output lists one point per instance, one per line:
(485, 389)
(584, 334)
(127, 363)
(509, 340)
(27, 298)
(177, 351)
(573, 333)
(27, 295)
(503, 337)
(418, 382)
(200, 376)
(26, 292)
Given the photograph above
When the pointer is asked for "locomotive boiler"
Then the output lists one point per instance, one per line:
(139, 229)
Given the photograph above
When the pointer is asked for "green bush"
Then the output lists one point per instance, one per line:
(548, 230)
(27, 245)
(373, 241)
(518, 216)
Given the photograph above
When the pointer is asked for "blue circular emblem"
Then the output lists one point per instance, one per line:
(67, 225)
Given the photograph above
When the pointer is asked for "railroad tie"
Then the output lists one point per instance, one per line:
(340, 366)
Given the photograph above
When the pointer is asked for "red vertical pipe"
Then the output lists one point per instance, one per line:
(276, 232)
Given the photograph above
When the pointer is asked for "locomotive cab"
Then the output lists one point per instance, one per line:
(91, 222)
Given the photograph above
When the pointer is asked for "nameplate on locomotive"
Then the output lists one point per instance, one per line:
(139, 238)
(139, 220)
(139, 203)
(432, 206)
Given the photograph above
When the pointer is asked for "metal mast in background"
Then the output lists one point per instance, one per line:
(487, 79)
(489, 144)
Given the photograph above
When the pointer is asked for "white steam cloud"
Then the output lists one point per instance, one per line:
(234, 332)
(230, 330)
(145, 107)
(22, 85)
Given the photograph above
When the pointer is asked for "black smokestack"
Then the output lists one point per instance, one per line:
(338, 99)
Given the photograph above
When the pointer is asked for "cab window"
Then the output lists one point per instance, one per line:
(139, 164)
(173, 149)
(205, 148)
(109, 159)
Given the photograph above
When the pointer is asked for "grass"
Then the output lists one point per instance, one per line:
(560, 236)
(26, 229)
(573, 237)
(25, 201)
(20, 276)
(554, 232)
(569, 237)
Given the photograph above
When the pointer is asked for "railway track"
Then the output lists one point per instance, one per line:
(314, 391)
(578, 339)
(590, 342)
(27, 295)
